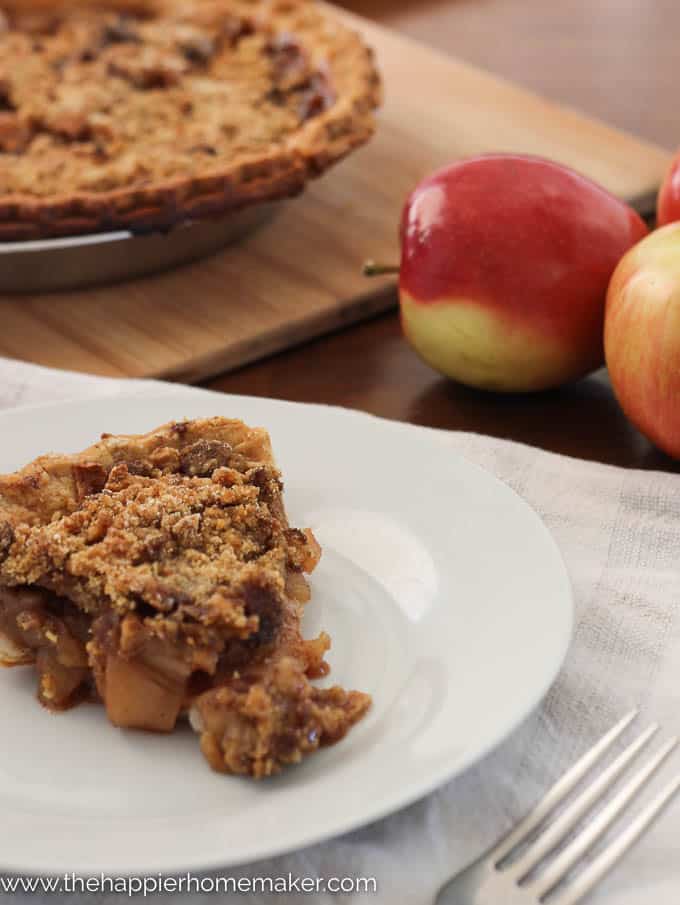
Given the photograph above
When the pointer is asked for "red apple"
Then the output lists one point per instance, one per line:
(504, 272)
(668, 204)
(642, 336)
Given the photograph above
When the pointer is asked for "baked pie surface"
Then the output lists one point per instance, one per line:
(159, 574)
(144, 113)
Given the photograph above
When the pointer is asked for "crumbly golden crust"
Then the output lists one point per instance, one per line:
(160, 574)
(56, 485)
(122, 114)
(265, 714)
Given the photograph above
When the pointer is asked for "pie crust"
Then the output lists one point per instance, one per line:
(141, 114)
(159, 575)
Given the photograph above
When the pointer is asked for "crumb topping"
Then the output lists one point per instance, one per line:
(184, 536)
(95, 98)
(159, 574)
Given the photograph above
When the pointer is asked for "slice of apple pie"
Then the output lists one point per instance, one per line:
(158, 574)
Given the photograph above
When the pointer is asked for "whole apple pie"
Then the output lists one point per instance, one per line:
(159, 575)
(141, 114)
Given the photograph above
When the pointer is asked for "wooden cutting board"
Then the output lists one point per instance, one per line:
(300, 275)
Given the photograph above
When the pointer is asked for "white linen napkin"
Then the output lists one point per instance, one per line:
(619, 531)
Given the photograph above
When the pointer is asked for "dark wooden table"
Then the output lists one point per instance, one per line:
(612, 59)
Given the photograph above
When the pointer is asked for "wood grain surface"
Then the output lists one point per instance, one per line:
(614, 59)
(299, 276)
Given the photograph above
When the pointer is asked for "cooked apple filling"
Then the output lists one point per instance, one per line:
(159, 574)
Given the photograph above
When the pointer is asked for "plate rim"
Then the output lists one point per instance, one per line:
(389, 804)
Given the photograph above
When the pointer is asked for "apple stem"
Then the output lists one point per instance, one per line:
(371, 269)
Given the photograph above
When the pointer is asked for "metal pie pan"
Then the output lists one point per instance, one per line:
(78, 262)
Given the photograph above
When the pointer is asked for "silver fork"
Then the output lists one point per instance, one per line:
(520, 869)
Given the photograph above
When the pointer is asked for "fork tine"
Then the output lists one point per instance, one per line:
(567, 820)
(559, 791)
(573, 853)
(604, 862)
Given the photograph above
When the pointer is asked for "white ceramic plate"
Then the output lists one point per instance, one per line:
(446, 599)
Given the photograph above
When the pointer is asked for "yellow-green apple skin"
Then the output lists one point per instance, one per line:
(504, 271)
(642, 336)
(482, 349)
